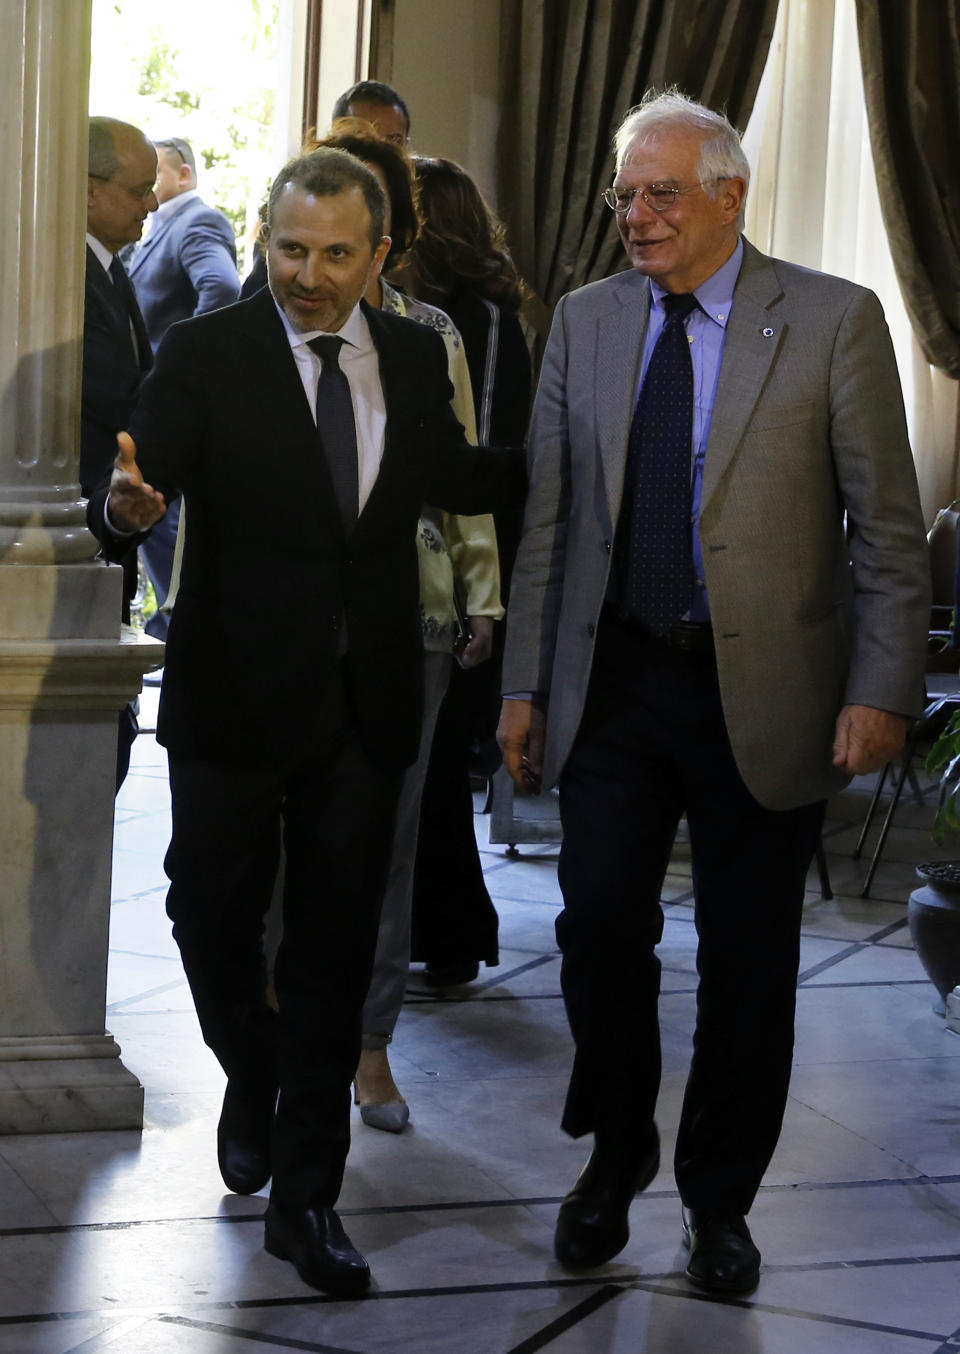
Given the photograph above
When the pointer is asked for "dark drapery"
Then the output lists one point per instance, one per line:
(572, 68)
(910, 52)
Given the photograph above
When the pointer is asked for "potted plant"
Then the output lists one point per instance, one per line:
(934, 910)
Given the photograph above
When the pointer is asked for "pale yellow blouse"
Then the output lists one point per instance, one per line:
(451, 548)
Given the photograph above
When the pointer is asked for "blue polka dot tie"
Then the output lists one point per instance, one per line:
(336, 427)
(654, 542)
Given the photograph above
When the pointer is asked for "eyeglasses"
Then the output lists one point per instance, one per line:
(659, 197)
(138, 194)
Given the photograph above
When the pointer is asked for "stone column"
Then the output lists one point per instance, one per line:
(64, 670)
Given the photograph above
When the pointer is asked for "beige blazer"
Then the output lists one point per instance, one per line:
(810, 611)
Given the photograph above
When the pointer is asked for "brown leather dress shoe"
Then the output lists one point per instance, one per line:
(245, 1136)
(592, 1224)
(314, 1242)
(723, 1258)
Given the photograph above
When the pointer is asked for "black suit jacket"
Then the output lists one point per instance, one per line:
(223, 418)
(111, 371)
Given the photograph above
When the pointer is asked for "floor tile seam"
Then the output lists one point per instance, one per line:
(851, 949)
(471, 1205)
(146, 995)
(657, 1283)
(893, 928)
(538, 962)
(35, 1197)
(254, 1337)
(107, 1338)
(430, 999)
(795, 1313)
(555, 903)
(568, 1320)
(139, 897)
(145, 954)
(860, 1137)
(810, 985)
(306, 1299)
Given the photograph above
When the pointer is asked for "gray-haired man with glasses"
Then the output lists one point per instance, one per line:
(718, 611)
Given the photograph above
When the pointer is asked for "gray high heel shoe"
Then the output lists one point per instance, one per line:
(392, 1117)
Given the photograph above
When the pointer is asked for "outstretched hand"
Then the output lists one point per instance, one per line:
(133, 505)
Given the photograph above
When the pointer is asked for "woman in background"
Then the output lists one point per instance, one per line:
(452, 551)
(460, 262)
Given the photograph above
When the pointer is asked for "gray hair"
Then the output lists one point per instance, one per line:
(721, 154)
(102, 162)
(326, 172)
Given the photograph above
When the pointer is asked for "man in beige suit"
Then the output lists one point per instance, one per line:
(718, 610)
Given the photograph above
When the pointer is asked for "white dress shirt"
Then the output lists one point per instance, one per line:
(361, 366)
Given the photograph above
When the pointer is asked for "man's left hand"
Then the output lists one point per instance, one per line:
(866, 739)
(477, 650)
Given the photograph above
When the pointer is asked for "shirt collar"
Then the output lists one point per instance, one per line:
(101, 251)
(171, 206)
(356, 331)
(715, 295)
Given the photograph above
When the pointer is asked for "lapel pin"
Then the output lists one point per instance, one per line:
(767, 333)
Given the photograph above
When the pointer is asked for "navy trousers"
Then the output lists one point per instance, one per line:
(652, 747)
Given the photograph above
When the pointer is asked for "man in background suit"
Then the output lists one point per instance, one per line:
(699, 632)
(121, 173)
(381, 106)
(186, 264)
(332, 422)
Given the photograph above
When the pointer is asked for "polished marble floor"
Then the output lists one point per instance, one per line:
(126, 1242)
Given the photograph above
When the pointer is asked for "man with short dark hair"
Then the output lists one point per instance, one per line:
(381, 106)
(718, 610)
(185, 264)
(326, 424)
(121, 171)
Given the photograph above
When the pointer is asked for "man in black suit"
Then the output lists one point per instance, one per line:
(317, 721)
(121, 173)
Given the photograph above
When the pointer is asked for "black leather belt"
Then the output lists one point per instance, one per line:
(694, 637)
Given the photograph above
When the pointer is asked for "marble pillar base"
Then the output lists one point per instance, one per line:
(65, 673)
(66, 1084)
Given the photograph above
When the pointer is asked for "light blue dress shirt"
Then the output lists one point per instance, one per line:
(707, 332)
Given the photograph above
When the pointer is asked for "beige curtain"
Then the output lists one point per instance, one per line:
(571, 69)
(814, 200)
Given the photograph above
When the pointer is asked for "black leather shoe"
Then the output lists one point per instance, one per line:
(592, 1224)
(244, 1137)
(314, 1242)
(456, 973)
(723, 1258)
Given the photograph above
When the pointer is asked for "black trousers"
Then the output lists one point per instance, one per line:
(335, 807)
(453, 917)
(653, 746)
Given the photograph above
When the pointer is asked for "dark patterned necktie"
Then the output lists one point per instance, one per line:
(654, 539)
(125, 301)
(336, 427)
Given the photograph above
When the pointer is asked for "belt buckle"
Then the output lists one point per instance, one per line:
(689, 637)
